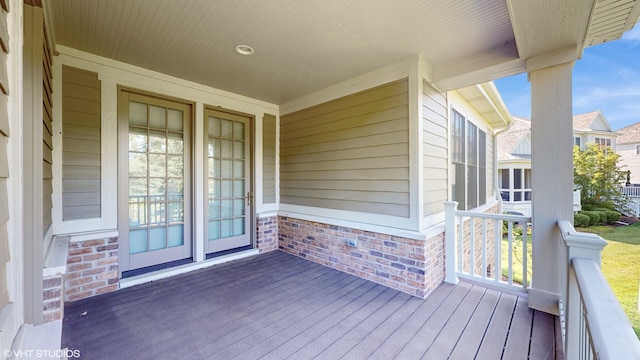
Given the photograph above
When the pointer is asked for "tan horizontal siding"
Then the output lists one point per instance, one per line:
(81, 198)
(81, 172)
(82, 212)
(81, 129)
(79, 158)
(435, 150)
(373, 185)
(269, 159)
(365, 207)
(81, 185)
(349, 154)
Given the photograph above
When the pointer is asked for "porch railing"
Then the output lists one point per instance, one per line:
(477, 244)
(631, 191)
(596, 327)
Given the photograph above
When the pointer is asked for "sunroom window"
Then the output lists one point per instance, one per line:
(469, 163)
(519, 189)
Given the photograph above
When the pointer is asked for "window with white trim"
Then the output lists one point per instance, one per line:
(469, 163)
(576, 140)
(603, 142)
(637, 149)
(515, 184)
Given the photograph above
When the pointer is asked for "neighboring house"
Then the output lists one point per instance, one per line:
(137, 144)
(514, 156)
(628, 147)
(593, 128)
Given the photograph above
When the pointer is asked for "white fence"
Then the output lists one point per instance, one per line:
(596, 327)
(477, 242)
(631, 191)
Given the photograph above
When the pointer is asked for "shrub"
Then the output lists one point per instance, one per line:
(595, 217)
(580, 220)
(612, 216)
(588, 207)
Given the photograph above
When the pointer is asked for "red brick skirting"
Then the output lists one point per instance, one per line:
(413, 266)
(267, 234)
(92, 268)
(53, 297)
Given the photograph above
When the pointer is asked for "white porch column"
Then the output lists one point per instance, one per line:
(552, 179)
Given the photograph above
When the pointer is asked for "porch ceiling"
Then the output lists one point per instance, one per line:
(303, 46)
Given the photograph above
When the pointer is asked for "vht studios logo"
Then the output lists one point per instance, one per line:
(41, 354)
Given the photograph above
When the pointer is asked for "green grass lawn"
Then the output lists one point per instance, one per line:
(621, 265)
(517, 259)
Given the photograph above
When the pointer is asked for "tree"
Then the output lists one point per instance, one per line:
(597, 174)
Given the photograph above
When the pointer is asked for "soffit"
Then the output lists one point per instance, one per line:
(486, 101)
(304, 46)
(300, 46)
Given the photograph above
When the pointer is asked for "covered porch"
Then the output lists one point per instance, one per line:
(294, 308)
(340, 140)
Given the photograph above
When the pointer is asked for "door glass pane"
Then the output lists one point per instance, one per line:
(238, 150)
(227, 186)
(157, 165)
(175, 189)
(175, 144)
(238, 207)
(214, 126)
(238, 131)
(157, 238)
(226, 228)
(214, 230)
(175, 167)
(157, 142)
(157, 117)
(157, 210)
(238, 188)
(175, 212)
(176, 236)
(174, 120)
(227, 208)
(226, 129)
(137, 241)
(238, 226)
(227, 149)
(227, 166)
(214, 209)
(137, 114)
(217, 188)
(138, 140)
(138, 163)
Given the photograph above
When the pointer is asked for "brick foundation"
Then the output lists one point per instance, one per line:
(53, 297)
(412, 266)
(92, 268)
(267, 234)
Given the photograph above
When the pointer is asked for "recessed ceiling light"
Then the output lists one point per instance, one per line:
(244, 50)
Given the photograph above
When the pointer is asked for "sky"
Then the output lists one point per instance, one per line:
(607, 78)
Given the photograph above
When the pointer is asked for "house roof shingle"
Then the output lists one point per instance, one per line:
(521, 127)
(584, 121)
(629, 134)
(509, 139)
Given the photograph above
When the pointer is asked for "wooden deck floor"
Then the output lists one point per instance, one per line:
(278, 306)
